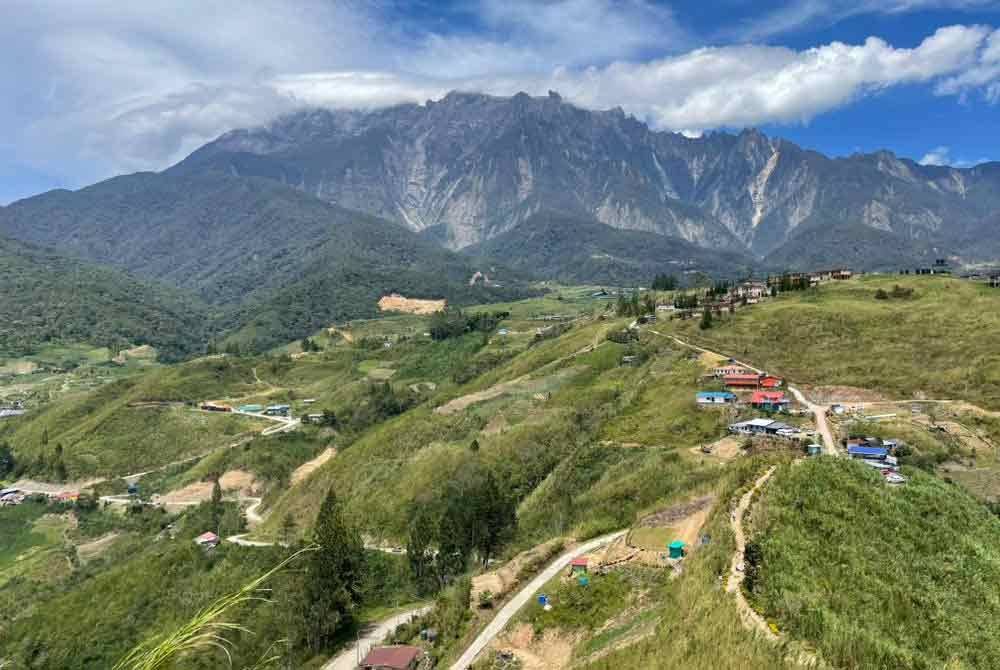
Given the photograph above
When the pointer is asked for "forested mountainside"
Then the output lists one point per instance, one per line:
(274, 261)
(575, 249)
(473, 166)
(49, 297)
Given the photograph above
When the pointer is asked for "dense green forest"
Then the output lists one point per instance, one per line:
(51, 298)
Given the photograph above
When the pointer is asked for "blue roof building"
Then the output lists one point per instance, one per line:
(715, 397)
(877, 453)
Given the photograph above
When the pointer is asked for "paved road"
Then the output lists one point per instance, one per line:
(508, 611)
(348, 659)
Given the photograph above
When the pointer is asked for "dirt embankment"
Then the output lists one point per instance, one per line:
(503, 580)
(303, 471)
(234, 480)
(398, 303)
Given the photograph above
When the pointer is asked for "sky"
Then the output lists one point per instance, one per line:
(94, 88)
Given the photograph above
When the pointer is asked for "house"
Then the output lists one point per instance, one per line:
(873, 453)
(396, 657)
(769, 401)
(752, 427)
(67, 496)
(278, 410)
(731, 369)
(751, 289)
(746, 381)
(579, 565)
(715, 398)
(207, 540)
(216, 407)
(770, 382)
(309, 401)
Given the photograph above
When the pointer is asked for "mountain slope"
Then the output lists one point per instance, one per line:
(581, 250)
(268, 255)
(471, 167)
(48, 297)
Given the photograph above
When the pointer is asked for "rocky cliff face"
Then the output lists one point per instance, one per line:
(470, 167)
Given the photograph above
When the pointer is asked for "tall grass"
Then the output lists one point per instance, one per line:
(207, 629)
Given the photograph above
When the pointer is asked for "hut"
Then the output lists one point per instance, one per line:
(676, 549)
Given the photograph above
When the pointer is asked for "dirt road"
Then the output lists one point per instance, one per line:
(751, 619)
(350, 658)
(522, 597)
(819, 413)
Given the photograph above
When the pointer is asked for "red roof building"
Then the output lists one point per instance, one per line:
(398, 657)
(742, 381)
(769, 382)
(208, 539)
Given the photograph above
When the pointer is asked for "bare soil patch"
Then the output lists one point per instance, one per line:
(91, 550)
(233, 480)
(303, 471)
(672, 515)
(503, 580)
(497, 425)
(725, 449)
(398, 303)
(144, 352)
(19, 368)
(553, 650)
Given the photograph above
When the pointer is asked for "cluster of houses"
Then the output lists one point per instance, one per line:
(763, 389)
(10, 497)
(765, 427)
(877, 453)
(11, 410)
(271, 410)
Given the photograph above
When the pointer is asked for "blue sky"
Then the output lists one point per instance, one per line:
(93, 88)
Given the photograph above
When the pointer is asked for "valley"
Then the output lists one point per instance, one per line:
(570, 425)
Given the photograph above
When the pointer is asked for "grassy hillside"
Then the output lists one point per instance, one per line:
(48, 297)
(878, 577)
(939, 342)
(577, 249)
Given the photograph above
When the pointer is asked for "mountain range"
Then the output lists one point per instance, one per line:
(471, 167)
(270, 233)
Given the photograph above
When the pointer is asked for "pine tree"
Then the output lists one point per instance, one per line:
(706, 319)
(287, 528)
(419, 546)
(217, 505)
(333, 576)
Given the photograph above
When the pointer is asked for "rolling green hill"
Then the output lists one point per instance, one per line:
(938, 343)
(49, 297)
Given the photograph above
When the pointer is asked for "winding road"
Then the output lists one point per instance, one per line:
(522, 597)
(350, 658)
(751, 619)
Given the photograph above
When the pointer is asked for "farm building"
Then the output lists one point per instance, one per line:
(397, 657)
(579, 565)
(715, 398)
(770, 401)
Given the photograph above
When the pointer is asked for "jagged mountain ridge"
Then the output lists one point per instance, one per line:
(470, 167)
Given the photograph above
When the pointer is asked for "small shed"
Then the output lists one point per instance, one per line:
(207, 540)
(579, 565)
(814, 449)
(676, 549)
(396, 657)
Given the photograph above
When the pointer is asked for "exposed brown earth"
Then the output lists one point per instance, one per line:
(398, 303)
(303, 471)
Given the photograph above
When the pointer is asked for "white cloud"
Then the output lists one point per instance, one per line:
(936, 156)
(804, 13)
(103, 87)
(941, 156)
